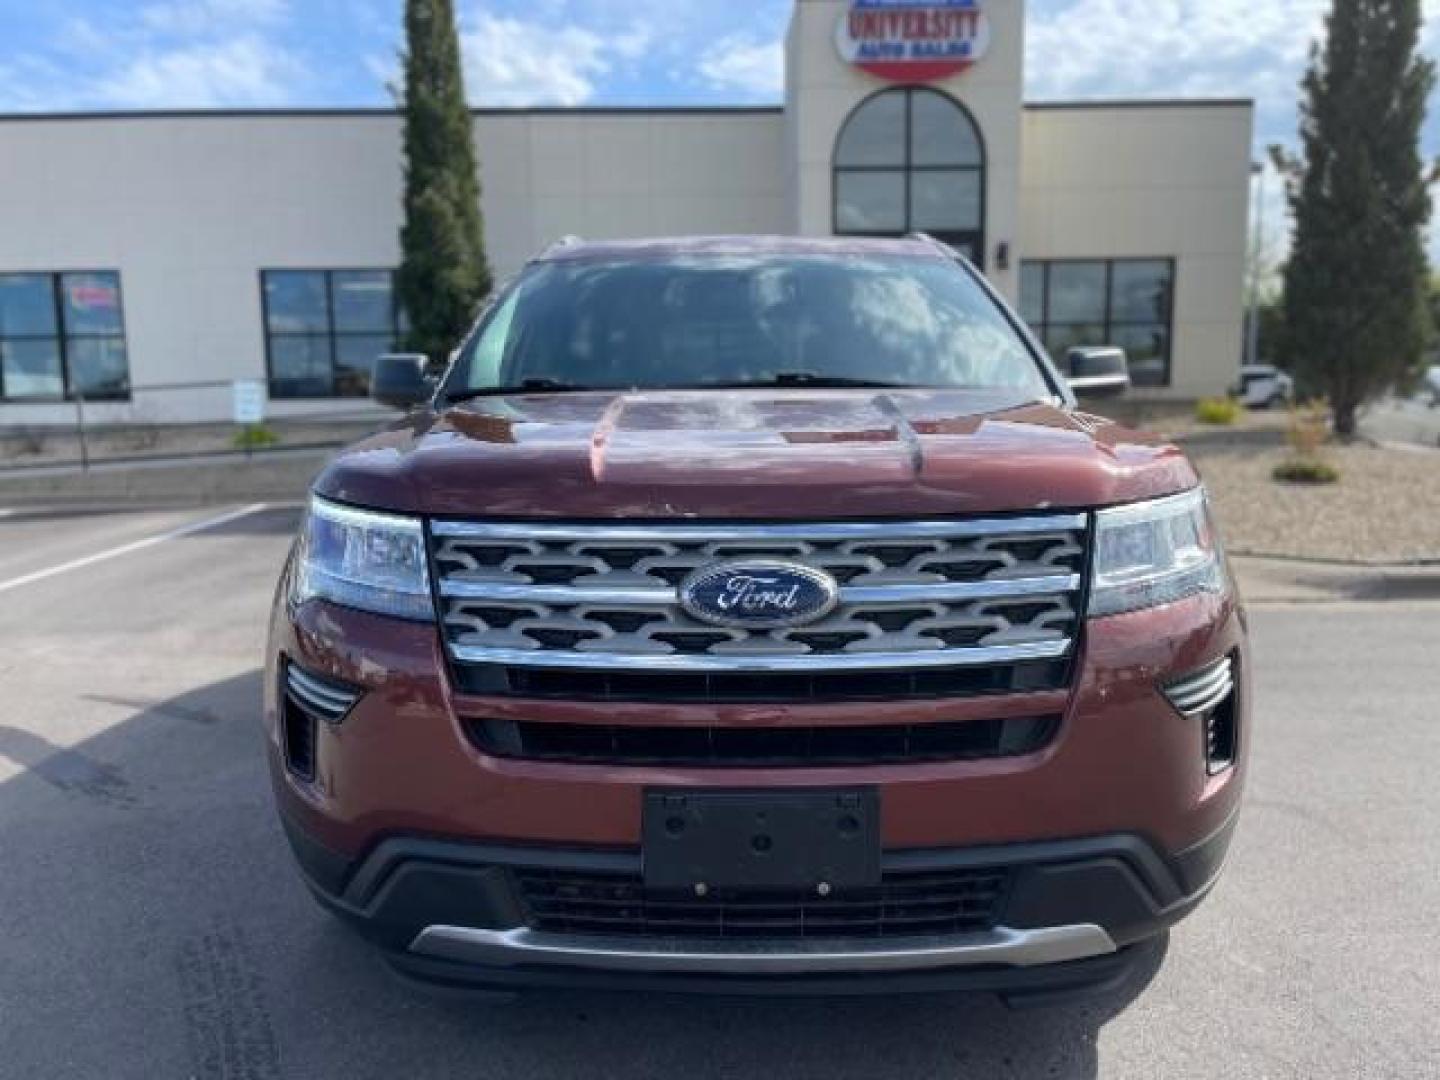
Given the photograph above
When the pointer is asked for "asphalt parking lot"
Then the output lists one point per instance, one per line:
(1414, 422)
(153, 926)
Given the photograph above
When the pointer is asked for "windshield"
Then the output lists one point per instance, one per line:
(714, 320)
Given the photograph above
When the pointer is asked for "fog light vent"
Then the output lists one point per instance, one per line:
(323, 699)
(1199, 693)
(1220, 736)
(1210, 695)
(297, 729)
(307, 701)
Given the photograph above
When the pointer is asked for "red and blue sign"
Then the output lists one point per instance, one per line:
(913, 40)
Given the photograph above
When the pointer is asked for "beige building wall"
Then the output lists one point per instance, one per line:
(190, 209)
(822, 90)
(1150, 180)
(611, 175)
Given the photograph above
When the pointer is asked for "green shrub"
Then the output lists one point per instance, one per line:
(254, 437)
(1223, 412)
(1306, 472)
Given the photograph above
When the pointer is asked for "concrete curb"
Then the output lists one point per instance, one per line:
(281, 478)
(1321, 560)
(1294, 581)
(165, 461)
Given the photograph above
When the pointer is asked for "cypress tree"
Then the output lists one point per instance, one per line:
(1355, 283)
(443, 271)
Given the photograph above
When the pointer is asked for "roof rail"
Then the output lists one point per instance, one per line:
(564, 242)
(926, 238)
(947, 250)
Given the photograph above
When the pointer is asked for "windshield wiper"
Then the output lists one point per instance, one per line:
(546, 385)
(813, 379)
(535, 385)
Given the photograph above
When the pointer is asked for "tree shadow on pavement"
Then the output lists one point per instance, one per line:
(166, 933)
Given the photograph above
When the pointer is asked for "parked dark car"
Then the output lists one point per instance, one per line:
(758, 615)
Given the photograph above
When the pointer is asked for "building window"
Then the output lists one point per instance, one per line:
(324, 329)
(1124, 302)
(911, 159)
(62, 336)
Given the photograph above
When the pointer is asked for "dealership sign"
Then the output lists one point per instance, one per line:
(913, 40)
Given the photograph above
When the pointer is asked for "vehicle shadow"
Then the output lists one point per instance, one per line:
(961, 1035)
(167, 933)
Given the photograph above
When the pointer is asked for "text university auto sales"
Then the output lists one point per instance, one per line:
(905, 40)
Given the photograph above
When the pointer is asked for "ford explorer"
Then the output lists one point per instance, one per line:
(758, 615)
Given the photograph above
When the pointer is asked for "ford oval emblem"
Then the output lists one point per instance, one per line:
(759, 595)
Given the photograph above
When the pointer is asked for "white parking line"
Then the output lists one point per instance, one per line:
(137, 545)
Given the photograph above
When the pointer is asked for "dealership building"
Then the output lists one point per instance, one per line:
(140, 253)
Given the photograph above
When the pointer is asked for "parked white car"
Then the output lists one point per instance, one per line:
(1429, 392)
(1264, 386)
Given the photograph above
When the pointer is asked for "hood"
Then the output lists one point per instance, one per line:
(791, 453)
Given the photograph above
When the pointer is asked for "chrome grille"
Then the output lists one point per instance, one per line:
(913, 595)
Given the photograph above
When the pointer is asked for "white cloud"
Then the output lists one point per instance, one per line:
(1167, 47)
(750, 66)
(246, 70)
(631, 45)
(164, 54)
(194, 17)
(514, 62)
(1188, 48)
(511, 62)
(1181, 48)
(387, 73)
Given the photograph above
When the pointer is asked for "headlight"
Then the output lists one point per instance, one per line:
(361, 559)
(1153, 553)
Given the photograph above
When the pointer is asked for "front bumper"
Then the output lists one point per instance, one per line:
(1122, 761)
(1114, 830)
(1073, 917)
(523, 947)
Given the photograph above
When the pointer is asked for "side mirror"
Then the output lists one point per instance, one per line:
(1098, 372)
(399, 380)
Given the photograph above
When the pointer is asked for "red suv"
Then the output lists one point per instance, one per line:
(758, 615)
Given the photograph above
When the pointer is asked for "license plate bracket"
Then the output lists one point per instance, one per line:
(761, 840)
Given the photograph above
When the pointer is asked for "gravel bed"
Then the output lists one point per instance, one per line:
(1385, 509)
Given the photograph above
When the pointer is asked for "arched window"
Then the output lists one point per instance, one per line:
(911, 159)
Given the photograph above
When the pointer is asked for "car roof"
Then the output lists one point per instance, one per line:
(669, 247)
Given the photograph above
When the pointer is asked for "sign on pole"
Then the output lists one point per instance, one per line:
(249, 401)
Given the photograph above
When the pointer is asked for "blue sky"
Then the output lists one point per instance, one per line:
(153, 54)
